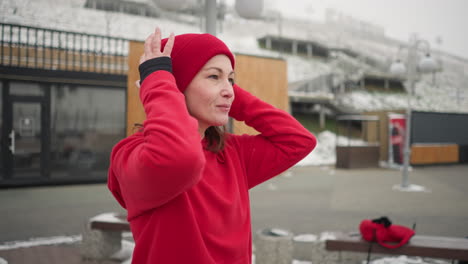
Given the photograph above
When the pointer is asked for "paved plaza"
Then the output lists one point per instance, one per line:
(303, 200)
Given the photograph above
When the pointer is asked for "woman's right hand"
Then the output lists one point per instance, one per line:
(153, 46)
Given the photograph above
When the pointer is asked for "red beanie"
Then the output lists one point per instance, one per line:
(191, 52)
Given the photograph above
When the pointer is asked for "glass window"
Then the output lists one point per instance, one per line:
(86, 122)
(24, 88)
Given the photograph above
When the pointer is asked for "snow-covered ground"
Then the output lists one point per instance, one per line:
(324, 152)
(125, 254)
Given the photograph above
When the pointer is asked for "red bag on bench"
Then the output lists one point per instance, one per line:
(383, 231)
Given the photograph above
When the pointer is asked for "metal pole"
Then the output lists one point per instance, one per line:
(390, 145)
(210, 17)
(406, 149)
(411, 85)
(210, 28)
(412, 76)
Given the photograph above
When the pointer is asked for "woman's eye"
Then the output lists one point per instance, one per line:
(215, 77)
(231, 80)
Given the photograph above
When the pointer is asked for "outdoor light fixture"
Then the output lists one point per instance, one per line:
(209, 11)
(251, 9)
(398, 68)
(411, 71)
(427, 64)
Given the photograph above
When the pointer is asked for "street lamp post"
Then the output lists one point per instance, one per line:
(250, 9)
(426, 65)
(210, 17)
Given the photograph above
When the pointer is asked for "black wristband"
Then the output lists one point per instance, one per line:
(152, 65)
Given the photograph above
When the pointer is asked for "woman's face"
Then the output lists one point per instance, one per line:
(210, 94)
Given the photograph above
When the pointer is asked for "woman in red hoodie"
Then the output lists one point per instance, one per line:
(183, 180)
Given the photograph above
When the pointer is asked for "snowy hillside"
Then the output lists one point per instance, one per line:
(447, 91)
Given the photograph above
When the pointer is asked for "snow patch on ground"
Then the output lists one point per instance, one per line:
(125, 254)
(305, 238)
(407, 260)
(325, 153)
(41, 241)
(411, 188)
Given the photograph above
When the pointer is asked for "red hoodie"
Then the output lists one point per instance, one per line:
(187, 204)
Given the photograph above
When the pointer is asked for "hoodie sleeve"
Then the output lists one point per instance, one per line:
(152, 167)
(282, 141)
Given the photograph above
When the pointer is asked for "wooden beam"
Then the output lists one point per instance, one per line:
(135, 112)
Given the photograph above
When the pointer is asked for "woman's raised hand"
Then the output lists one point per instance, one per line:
(153, 46)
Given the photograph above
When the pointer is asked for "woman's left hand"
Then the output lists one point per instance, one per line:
(153, 46)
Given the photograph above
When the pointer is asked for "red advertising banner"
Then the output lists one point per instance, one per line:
(397, 125)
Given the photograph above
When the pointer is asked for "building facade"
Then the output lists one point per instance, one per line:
(63, 104)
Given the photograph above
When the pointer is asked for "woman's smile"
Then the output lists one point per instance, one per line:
(224, 107)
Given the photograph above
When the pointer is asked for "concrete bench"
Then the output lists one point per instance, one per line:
(422, 246)
(102, 236)
(110, 222)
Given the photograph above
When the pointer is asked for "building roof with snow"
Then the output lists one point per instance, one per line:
(349, 53)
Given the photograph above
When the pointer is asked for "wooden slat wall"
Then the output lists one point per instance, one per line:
(420, 153)
(434, 153)
(264, 77)
(135, 111)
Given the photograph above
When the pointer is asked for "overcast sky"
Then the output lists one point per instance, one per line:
(430, 19)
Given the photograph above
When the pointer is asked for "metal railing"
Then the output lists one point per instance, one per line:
(31, 47)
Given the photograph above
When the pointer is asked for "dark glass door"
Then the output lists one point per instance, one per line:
(25, 135)
(25, 138)
(58, 133)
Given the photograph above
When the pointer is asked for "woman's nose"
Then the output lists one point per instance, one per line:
(228, 90)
